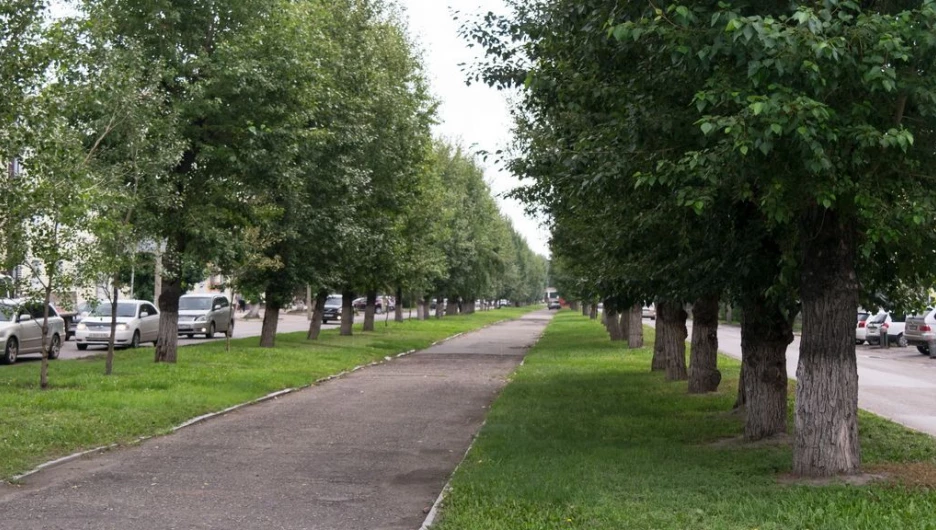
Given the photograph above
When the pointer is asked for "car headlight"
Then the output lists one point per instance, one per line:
(201, 319)
(82, 326)
(121, 327)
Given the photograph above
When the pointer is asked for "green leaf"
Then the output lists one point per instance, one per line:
(707, 127)
(776, 128)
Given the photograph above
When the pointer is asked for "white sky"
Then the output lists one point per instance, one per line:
(476, 116)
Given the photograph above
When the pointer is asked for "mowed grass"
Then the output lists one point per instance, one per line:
(585, 437)
(85, 409)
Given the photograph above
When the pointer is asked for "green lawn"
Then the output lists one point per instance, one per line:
(86, 409)
(585, 437)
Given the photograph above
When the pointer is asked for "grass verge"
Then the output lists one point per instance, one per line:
(585, 437)
(86, 409)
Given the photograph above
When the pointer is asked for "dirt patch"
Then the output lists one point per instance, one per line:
(738, 442)
(913, 474)
(861, 479)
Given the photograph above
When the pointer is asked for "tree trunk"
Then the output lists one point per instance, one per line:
(741, 399)
(593, 312)
(315, 325)
(270, 320)
(586, 309)
(635, 338)
(729, 314)
(109, 361)
(369, 310)
(613, 324)
(826, 418)
(672, 316)
(574, 305)
(46, 343)
(703, 354)
(765, 334)
(347, 313)
(451, 308)
(398, 308)
(168, 340)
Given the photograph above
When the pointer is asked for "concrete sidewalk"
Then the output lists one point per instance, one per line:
(368, 451)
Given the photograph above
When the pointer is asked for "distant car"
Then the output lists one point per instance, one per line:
(332, 308)
(861, 329)
(360, 304)
(553, 304)
(920, 330)
(205, 314)
(21, 330)
(891, 324)
(137, 322)
(648, 311)
(503, 302)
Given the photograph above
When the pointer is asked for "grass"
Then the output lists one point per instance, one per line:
(585, 437)
(86, 409)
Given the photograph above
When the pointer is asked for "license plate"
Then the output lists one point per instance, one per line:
(911, 327)
(98, 335)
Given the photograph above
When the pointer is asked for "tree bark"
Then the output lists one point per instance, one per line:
(635, 338)
(347, 312)
(109, 361)
(765, 334)
(574, 305)
(593, 312)
(741, 399)
(451, 308)
(270, 320)
(46, 342)
(586, 309)
(168, 340)
(315, 325)
(440, 307)
(703, 354)
(369, 310)
(398, 308)
(672, 326)
(613, 324)
(826, 419)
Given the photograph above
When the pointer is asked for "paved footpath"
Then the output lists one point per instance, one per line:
(368, 451)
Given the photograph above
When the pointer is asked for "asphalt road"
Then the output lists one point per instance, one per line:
(896, 383)
(371, 450)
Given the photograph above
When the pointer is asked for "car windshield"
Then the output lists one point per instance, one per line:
(6, 313)
(333, 301)
(863, 316)
(194, 303)
(124, 309)
(879, 318)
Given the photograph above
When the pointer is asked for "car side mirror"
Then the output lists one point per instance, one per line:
(216, 307)
(144, 314)
(24, 317)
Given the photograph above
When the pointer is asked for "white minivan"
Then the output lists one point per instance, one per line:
(205, 314)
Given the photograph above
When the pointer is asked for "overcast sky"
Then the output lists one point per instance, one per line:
(476, 116)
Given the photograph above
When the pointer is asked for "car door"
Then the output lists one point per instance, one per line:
(149, 323)
(30, 330)
(222, 315)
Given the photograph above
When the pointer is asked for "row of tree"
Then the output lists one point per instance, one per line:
(282, 143)
(772, 155)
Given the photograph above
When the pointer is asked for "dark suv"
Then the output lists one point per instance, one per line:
(332, 308)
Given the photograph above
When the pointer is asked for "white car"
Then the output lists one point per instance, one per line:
(137, 322)
(21, 330)
(861, 329)
(920, 330)
(888, 323)
(205, 314)
(648, 311)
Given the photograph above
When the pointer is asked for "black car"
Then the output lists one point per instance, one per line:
(332, 308)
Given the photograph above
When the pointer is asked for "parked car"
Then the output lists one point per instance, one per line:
(137, 322)
(648, 311)
(553, 303)
(205, 314)
(921, 329)
(861, 330)
(332, 308)
(360, 304)
(70, 318)
(888, 323)
(21, 330)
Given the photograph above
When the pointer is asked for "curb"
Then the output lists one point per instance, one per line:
(204, 417)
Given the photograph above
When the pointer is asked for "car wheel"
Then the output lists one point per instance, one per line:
(135, 341)
(901, 341)
(923, 349)
(11, 352)
(82, 347)
(56, 348)
(211, 331)
(859, 342)
(230, 330)
(189, 335)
